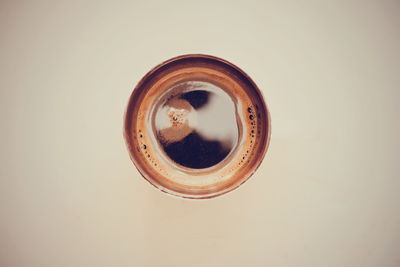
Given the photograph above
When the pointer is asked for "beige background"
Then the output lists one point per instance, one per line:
(327, 193)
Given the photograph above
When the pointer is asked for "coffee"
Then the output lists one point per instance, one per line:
(196, 126)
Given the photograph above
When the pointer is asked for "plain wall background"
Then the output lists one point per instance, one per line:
(327, 193)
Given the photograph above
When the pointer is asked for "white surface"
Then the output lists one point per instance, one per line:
(327, 193)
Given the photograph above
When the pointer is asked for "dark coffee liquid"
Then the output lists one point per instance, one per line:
(196, 124)
(196, 98)
(193, 151)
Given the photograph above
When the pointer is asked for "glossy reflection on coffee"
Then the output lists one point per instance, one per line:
(195, 123)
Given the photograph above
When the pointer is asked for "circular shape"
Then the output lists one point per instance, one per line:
(195, 123)
(196, 126)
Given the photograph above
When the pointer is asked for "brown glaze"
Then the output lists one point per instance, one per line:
(164, 90)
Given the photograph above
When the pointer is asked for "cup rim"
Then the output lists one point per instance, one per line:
(140, 87)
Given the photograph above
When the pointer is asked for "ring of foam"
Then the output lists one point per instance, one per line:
(251, 113)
